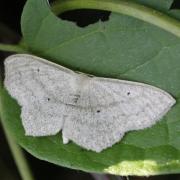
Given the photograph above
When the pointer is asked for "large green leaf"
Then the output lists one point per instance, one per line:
(122, 47)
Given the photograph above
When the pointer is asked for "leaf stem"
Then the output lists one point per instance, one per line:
(12, 48)
(18, 155)
(124, 7)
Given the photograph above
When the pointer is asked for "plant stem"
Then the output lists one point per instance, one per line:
(18, 155)
(124, 7)
(12, 48)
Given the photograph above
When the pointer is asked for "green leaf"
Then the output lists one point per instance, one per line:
(122, 47)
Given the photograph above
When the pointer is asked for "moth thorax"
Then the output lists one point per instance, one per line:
(82, 80)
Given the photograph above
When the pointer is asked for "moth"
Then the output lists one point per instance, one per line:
(94, 112)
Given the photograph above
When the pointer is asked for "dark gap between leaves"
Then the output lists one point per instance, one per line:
(175, 4)
(85, 17)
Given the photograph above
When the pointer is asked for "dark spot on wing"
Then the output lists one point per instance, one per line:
(38, 70)
(128, 93)
(98, 111)
(75, 100)
(75, 97)
(48, 99)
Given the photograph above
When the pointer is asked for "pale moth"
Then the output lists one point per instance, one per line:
(93, 112)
